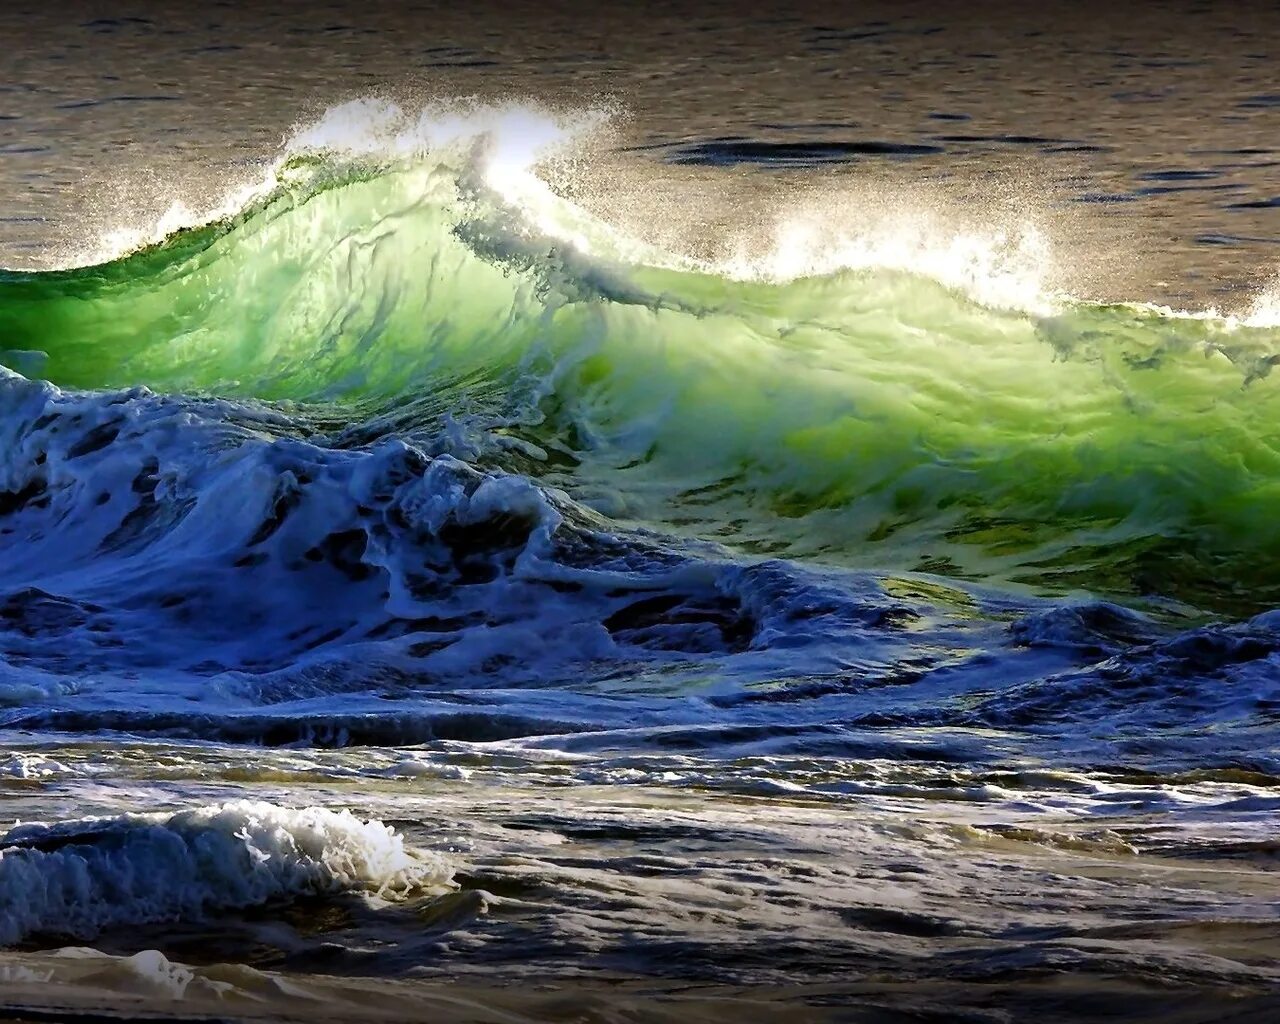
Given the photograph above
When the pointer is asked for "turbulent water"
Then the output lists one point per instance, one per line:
(854, 611)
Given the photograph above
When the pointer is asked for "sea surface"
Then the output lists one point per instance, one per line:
(723, 515)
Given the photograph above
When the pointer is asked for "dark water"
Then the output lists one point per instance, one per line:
(701, 510)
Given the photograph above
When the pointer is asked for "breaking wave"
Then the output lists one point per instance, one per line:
(76, 878)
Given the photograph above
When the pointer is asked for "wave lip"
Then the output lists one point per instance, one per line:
(76, 878)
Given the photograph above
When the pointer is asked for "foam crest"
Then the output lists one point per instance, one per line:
(1264, 311)
(1006, 267)
(503, 142)
(513, 150)
(517, 135)
(521, 152)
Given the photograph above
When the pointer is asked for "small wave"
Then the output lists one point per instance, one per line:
(76, 878)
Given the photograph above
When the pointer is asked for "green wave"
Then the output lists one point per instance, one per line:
(872, 417)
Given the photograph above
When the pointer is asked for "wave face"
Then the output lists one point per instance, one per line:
(402, 446)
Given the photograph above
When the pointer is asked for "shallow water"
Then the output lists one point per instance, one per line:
(798, 541)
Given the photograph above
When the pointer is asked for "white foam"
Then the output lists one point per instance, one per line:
(516, 136)
(1007, 266)
(32, 766)
(1264, 311)
(80, 877)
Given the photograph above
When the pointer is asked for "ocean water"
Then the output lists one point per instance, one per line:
(654, 517)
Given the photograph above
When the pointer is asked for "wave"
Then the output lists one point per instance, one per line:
(890, 400)
(76, 878)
